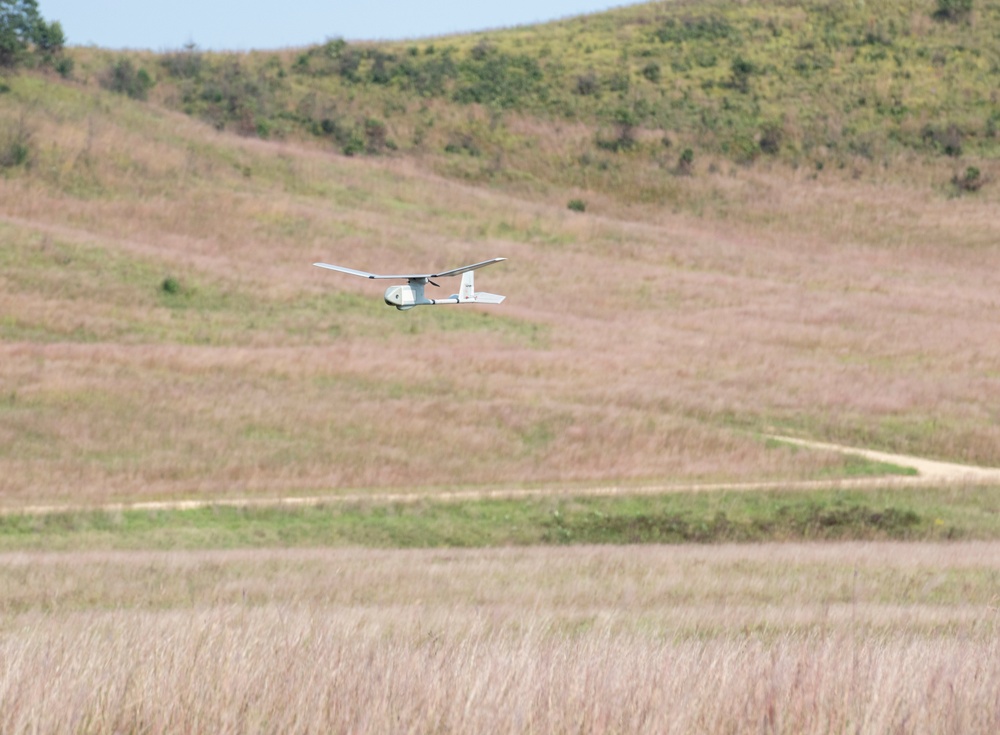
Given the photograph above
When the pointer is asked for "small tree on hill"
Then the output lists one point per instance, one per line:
(21, 26)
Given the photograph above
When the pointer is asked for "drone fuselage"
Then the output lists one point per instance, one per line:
(412, 294)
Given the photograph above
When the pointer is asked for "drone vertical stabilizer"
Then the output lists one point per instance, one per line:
(467, 293)
(468, 290)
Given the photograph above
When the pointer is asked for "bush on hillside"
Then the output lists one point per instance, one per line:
(771, 136)
(244, 97)
(691, 28)
(491, 77)
(972, 180)
(428, 77)
(953, 10)
(626, 122)
(64, 66)
(947, 140)
(15, 145)
(123, 77)
(587, 84)
(742, 69)
(185, 64)
(685, 162)
(376, 136)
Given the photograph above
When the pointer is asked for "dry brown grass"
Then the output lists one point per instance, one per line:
(775, 638)
(641, 343)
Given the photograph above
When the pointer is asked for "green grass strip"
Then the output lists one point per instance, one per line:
(921, 514)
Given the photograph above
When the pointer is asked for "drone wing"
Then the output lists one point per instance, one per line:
(464, 268)
(409, 276)
(366, 274)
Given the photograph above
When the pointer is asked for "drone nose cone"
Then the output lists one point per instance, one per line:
(393, 296)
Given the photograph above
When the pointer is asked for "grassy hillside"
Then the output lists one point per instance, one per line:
(621, 100)
(163, 333)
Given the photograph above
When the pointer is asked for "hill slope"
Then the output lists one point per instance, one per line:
(163, 334)
(620, 100)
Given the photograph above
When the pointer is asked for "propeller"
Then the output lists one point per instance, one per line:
(433, 284)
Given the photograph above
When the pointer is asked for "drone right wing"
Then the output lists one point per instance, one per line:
(465, 268)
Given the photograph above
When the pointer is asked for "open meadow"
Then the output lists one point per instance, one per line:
(165, 335)
(721, 224)
(782, 638)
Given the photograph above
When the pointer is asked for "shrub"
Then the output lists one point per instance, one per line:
(122, 77)
(652, 72)
(186, 64)
(352, 144)
(972, 180)
(625, 121)
(170, 286)
(707, 28)
(235, 94)
(742, 69)
(14, 146)
(771, 136)
(380, 71)
(498, 79)
(685, 162)
(586, 84)
(742, 148)
(463, 142)
(577, 205)
(348, 64)
(428, 77)
(64, 66)
(953, 10)
(947, 140)
(375, 136)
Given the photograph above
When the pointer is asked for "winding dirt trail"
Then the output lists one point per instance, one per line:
(927, 469)
(929, 472)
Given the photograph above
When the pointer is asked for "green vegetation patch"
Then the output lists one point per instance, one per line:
(808, 82)
(913, 514)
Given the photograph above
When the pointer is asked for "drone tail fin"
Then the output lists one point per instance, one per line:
(467, 293)
(468, 290)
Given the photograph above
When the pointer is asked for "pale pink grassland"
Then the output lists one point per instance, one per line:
(638, 344)
(793, 638)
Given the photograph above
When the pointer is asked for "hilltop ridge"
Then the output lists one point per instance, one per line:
(629, 95)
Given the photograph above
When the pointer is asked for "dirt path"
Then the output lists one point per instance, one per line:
(927, 468)
(929, 472)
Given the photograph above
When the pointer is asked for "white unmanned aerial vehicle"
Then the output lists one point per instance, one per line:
(412, 294)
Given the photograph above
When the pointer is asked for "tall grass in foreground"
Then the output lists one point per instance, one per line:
(280, 670)
(792, 638)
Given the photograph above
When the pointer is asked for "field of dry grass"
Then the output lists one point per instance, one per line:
(792, 638)
(164, 336)
(642, 343)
